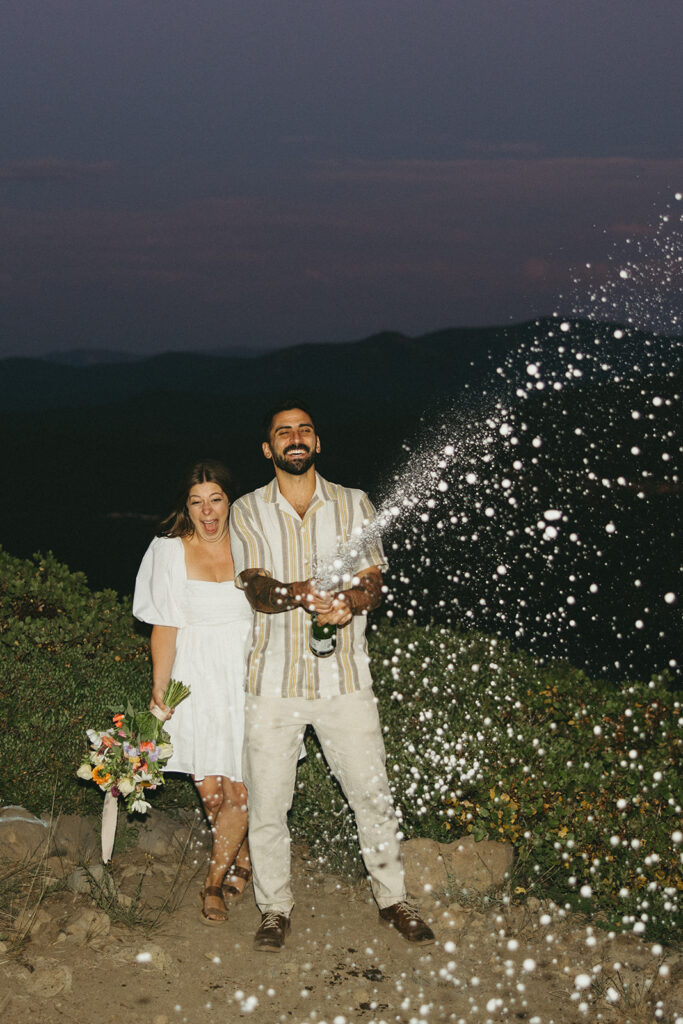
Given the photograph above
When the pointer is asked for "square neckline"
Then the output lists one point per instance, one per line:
(188, 579)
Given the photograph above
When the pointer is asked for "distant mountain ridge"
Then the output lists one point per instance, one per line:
(390, 366)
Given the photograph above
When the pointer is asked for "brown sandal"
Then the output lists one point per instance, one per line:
(239, 872)
(210, 917)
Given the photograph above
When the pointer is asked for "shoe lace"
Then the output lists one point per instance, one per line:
(410, 911)
(270, 919)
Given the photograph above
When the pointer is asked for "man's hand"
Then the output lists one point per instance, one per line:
(364, 596)
(336, 610)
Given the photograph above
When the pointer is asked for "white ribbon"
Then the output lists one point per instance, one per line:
(158, 713)
(110, 814)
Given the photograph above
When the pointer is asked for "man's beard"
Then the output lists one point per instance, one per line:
(297, 468)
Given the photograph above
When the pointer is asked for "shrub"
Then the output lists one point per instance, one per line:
(66, 655)
(45, 606)
(579, 775)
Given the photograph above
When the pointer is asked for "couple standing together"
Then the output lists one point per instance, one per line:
(215, 586)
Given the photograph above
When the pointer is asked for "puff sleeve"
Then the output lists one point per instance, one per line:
(158, 597)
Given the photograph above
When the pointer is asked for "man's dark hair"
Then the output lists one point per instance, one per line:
(289, 403)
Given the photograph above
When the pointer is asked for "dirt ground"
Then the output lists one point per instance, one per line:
(341, 965)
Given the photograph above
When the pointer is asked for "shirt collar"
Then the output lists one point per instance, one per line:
(323, 492)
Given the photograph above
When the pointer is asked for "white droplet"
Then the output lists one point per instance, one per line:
(582, 981)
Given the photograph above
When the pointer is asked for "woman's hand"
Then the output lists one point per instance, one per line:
(157, 700)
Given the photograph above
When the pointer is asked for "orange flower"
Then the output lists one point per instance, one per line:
(147, 745)
(107, 741)
(117, 719)
(100, 775)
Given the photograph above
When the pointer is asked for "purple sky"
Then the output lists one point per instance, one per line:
(181, 174)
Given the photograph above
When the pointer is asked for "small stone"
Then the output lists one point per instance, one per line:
(88, 924)
(49, 978)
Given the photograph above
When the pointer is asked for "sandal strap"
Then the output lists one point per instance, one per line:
(212, 890)
(239, 872)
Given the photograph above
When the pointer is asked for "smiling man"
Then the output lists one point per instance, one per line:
(280, 533)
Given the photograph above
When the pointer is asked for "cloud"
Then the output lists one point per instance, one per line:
(49, 169)
(409, 244)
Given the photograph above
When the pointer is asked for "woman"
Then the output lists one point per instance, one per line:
(201, 623)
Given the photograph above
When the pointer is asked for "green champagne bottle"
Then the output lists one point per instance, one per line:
(323, 639)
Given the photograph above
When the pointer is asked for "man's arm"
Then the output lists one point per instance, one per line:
(268, 595)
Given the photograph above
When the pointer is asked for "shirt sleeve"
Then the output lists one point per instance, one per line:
(373, 551)
(250, 549)
(158, 586)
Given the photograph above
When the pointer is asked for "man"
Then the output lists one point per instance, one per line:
(280, 533)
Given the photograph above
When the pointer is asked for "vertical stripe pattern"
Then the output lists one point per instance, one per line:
(267, 534)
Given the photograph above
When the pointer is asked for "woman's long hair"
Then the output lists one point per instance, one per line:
(178, 522)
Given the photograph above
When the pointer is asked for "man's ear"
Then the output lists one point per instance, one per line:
(317, 445)
(266, 450)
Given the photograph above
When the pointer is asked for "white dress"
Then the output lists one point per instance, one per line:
(214, 628)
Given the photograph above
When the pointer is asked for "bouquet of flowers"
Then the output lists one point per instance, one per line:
(126, 759)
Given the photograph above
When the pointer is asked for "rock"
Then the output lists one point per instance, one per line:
(32, 921)
(14, 811)
(49, 978)
(148, 955)
(22, 835)
(75, 839)
(476, 866)
(424, 868)
(80, 879)
(454, 919)
(672, 1003)
(156, 835)
(88, 924)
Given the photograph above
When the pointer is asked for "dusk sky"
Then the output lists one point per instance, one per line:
(217, 174)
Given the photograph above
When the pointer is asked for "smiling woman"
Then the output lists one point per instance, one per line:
(185, 590)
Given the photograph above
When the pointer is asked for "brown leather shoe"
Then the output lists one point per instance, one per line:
(270, 938)
(408, 923)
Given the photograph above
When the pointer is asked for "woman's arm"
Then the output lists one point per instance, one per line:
(162, 644)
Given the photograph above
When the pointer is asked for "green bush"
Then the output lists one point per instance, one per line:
(44, 606)
(66, 656)
(581, 776)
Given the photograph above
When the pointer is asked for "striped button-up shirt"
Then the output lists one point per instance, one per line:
(267, 533)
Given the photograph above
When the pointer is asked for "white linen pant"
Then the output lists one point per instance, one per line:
(350, 735)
